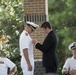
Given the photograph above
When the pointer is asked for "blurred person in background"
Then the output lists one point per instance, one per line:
(6, 63)
(69, 67)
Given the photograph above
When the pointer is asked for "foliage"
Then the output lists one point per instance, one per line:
(11, 24)
(63, 17)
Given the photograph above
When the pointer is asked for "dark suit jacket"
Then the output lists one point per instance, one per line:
(49, 51)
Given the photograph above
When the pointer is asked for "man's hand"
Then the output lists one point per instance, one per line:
(64, 71)
(72, 72)
(12, 72)
(34, 41)
(29, 67)
(25, 51)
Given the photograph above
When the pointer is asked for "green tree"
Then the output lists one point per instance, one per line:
(63, 17)
(11, 24)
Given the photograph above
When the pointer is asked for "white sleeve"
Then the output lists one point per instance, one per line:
(67, 65)
(24, 42)
(9, 63)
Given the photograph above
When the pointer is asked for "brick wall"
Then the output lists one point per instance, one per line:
(36, 11)
(34, 7)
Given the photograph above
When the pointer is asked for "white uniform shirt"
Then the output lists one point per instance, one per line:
(25, 41)
(70, 63)
(5, 63)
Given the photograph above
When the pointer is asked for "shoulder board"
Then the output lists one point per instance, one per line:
(26, 34)
(1, 62)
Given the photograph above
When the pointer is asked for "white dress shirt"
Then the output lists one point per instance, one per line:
(70, 63)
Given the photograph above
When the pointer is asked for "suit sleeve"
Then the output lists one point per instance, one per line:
(46, 44)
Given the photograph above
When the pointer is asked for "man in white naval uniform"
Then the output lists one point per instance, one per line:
(6, 63)
(70, 64)
(26, 49)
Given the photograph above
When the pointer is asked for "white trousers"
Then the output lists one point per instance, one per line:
(26, 72)
(24, 67)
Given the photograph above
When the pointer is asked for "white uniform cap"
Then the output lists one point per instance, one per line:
(32, 24)
(72, 45)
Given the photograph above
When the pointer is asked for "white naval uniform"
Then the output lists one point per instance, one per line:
(25, 41)
(70, 63)
(5, 63)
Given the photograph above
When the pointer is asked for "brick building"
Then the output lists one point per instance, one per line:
(36, 11)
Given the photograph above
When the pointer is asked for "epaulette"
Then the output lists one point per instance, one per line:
(26, 34)
(1, 62)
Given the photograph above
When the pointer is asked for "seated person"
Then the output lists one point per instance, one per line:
(69, 67)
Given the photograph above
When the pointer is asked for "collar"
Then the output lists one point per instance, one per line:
(25, 32)
(73, 57)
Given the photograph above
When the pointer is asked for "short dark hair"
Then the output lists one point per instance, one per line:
(46, 24)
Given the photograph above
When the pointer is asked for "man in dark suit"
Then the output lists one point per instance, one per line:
(50, 59)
